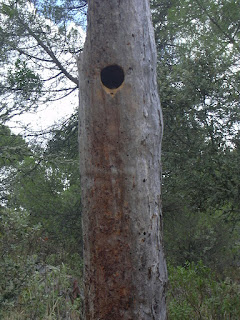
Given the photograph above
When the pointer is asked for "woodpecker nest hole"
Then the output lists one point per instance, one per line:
(112, 77)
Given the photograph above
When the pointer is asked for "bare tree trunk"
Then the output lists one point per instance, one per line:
(120, 151)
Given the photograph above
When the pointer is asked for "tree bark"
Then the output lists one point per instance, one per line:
(120, 135)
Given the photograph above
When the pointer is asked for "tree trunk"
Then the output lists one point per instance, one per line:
(120, 150)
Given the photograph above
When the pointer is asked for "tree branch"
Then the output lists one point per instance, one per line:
(31, 56)
(49, 52)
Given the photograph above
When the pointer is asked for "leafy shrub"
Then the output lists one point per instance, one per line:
(48, 295)
(207, 236)
(194, 293)
(17, 261)
(30, 289)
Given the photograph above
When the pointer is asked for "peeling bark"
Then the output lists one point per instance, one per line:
(120, 133)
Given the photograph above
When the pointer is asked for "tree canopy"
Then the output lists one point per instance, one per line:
(198, 47)
(40, 41)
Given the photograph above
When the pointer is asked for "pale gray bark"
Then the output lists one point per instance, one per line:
(120, 161)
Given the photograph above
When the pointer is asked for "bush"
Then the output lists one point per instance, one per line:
(207, 236)
(17, 261)
(194, 293)
(29, 288)
(49, 295)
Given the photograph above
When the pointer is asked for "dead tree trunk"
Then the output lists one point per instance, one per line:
(120, 150)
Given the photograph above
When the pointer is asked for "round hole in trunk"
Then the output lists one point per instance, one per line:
(112, 76)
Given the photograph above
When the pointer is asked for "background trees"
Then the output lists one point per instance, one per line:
(198, 74)
(198, 77)
(38, 52)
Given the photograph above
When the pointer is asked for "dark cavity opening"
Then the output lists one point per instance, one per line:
(112, 76)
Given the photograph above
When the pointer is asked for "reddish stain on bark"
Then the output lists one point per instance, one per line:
(109, 274)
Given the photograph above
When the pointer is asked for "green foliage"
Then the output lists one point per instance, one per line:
(195, 293)
(17, 239)
(51, 194)
(48, 296)
(63, 11)
(198, 75)
(24, 80)
(46, 183)
(64, 141)
(39, 44)
(30, 289)
(13, 148)
(208, 236)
